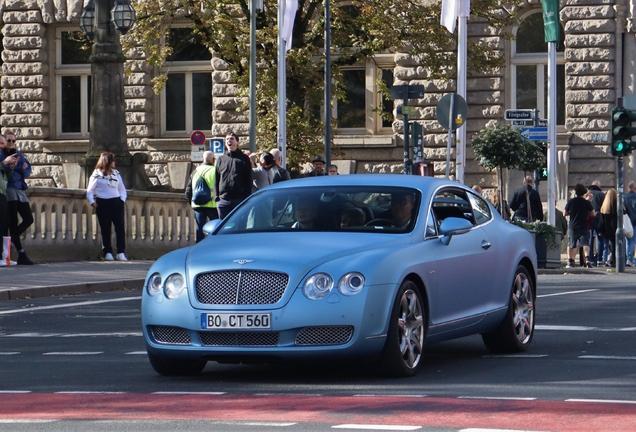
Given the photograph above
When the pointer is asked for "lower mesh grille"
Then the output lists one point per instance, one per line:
(324, 335)
(170, 335)
(239, 338)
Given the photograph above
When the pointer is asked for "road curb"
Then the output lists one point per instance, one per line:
(80, 288)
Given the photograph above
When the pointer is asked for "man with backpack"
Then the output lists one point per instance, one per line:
(200, 193)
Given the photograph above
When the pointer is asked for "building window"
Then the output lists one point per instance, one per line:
(361, 111)
(529, 67)
(73, 83)
(187, 98)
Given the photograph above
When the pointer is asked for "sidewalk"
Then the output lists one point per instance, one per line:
(60, 278)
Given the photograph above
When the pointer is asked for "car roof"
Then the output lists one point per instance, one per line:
(425, 184)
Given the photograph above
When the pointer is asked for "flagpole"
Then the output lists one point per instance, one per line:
(282, 89)
(328, 82)
(552, 138)
(462, 42)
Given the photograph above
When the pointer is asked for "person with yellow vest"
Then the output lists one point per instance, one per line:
(203, 212)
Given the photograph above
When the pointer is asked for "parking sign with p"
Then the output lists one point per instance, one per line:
(217, 146)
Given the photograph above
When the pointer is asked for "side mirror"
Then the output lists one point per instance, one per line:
(211, 226)
(453, 226)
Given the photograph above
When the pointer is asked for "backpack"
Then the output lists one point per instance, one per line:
(201, 194)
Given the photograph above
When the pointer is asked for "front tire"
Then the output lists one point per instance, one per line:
(515, 332)
(404, 346)
(171, 366)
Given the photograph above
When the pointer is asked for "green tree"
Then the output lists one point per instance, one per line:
(359, 29)
(504, 147)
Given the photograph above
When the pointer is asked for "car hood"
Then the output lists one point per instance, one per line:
(287, 252)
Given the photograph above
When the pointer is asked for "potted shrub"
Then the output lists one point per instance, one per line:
(547, 242)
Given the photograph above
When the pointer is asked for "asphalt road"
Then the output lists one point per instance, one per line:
(83, 358)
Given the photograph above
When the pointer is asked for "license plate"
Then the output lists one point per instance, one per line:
(236, 321)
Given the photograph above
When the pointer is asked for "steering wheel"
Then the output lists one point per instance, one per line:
(382, 222)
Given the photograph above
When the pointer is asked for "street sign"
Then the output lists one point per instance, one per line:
(408, 110)
(217, 146)
(197, 138)
(520, 122)
(542, 123)
(460, 111)
(413, 91)
(196, 153)
(520, 114)
(535, 133)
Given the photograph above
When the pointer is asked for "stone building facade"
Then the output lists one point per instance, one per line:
(43, 92)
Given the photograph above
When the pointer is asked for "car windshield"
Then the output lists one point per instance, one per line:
(347, 208)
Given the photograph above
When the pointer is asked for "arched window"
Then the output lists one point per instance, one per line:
(529, 68)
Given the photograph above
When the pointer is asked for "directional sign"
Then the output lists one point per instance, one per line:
(520, 114)
(197, 138)
(413, 91)
(535, 133)
(217, 146)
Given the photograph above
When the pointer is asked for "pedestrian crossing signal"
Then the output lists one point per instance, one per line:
(621, 130)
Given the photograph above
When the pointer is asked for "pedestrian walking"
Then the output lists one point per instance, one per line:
(203, 212)
(630, 208)
(233, 177)
(609, 224)
(17, 201)
(280, 173)
(107, 194)
(318, 168)
(6, 170)
(526, 202)
(579, 210)
(598, 245)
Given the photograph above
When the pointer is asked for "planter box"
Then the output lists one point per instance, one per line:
(548, 257)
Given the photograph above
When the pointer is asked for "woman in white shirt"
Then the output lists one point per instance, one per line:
(106, 192)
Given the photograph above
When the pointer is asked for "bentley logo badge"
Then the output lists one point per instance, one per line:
(243, 261)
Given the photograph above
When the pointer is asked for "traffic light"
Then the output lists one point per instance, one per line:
(542, 173)
(622, 131)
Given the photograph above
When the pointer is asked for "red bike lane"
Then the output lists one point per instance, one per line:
(382, 410)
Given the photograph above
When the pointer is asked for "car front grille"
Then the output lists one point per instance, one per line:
(324, 335)
(238, 287)
(239, 338)
(170, 335)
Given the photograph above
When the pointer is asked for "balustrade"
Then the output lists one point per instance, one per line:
(65, 227)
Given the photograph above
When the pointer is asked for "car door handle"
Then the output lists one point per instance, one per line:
(486, 245)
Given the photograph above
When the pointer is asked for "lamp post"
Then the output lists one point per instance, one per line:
(99, 21)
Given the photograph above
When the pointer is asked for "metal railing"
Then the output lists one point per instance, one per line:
(65, 227)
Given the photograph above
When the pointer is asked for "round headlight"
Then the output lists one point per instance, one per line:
(318, 286)
(351, 283)
(154, 284)
(174, 286)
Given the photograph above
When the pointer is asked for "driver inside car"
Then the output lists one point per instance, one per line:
(401, 210)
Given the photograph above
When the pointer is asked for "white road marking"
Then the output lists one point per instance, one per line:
(14, 391)
(566, 293)
(187, 393)
(72, 335)
(517, 355)
(376, 427)
(26, 421)
(66, 305)
(137, 353)
(71, 353)
(598, 357)
(497, 398)
(90, 392)
(602, 401)
(584, 328)
(9, 353)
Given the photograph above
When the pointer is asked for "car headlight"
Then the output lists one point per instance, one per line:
(318, 286)
(154, 284)
(174, 286)
(351, 283)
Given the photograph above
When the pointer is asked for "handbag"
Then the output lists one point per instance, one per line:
(628, 228)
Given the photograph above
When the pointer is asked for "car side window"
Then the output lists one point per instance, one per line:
(481, 209)
(431, 225)
(452, 203)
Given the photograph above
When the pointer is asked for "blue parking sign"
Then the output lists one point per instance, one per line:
(217, 146)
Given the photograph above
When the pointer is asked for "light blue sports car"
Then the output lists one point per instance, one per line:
(351, 266)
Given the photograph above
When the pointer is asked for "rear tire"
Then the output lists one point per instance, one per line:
(515, 332)
(172, 366)
(405, 339)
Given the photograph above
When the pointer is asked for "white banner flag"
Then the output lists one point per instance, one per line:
(451, 9)
(291, 7)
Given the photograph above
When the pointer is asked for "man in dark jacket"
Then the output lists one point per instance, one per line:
(579, 209)
(527, 195)
(598, 255)
(280, 173)
(233, 177)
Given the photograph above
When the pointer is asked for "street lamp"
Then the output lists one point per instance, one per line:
(99, 21)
